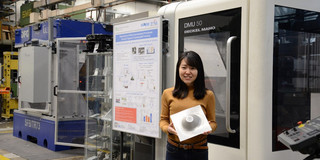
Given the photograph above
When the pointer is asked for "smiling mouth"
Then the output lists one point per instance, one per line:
(187, 77)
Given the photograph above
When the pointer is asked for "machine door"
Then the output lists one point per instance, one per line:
(70, 92)
(216, 38)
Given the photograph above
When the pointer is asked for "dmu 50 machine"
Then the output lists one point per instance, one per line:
(52, 103)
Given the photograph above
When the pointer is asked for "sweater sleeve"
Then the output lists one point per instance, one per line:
(165, 113)
(211, 115)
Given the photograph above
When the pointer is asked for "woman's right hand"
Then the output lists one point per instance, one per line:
(171, 129)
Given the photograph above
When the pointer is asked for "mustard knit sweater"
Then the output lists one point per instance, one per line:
(171, 105)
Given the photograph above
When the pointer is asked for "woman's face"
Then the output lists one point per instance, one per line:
(188, 74)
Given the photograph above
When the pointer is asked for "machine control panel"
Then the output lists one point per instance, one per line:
(303, 138)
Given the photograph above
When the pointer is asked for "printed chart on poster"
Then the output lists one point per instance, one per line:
(136, 76)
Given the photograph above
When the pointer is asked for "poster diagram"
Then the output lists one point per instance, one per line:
(136, 79)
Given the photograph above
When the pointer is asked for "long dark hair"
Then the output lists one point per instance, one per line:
(181, 89)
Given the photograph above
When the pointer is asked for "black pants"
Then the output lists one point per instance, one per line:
(175, 153)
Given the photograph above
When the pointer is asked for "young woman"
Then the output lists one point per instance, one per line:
(189, 91)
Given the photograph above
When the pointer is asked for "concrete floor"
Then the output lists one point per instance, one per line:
(13, 148)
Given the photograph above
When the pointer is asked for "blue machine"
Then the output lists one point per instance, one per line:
(61, 29)
(41, 130)
(52, 103)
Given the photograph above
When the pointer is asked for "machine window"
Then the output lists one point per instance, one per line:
(207, 35)
(296, 68)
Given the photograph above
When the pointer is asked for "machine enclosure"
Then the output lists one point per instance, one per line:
(36, 46)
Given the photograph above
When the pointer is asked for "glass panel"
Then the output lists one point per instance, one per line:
(71, 105)
(71, 97)
(101, 141)
(71, 65)
(207, 35)
(296, 69)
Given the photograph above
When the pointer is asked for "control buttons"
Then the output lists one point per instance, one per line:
(313, 132)
(300, 124)
(286, 132)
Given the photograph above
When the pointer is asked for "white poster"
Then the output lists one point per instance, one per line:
(136, 76)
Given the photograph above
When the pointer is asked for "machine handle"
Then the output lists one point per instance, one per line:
(228, 85)
(55, 93)
(19, 79)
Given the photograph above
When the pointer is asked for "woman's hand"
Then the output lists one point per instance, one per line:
(206, 133)
(171, 129)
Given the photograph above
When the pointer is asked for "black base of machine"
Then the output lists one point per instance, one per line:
(311, 157)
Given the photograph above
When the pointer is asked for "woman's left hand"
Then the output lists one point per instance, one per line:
(208, 132)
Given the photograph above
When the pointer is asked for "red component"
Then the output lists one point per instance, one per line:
(299, 123)
(5, 90)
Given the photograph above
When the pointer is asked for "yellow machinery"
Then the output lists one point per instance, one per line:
(8, 88)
